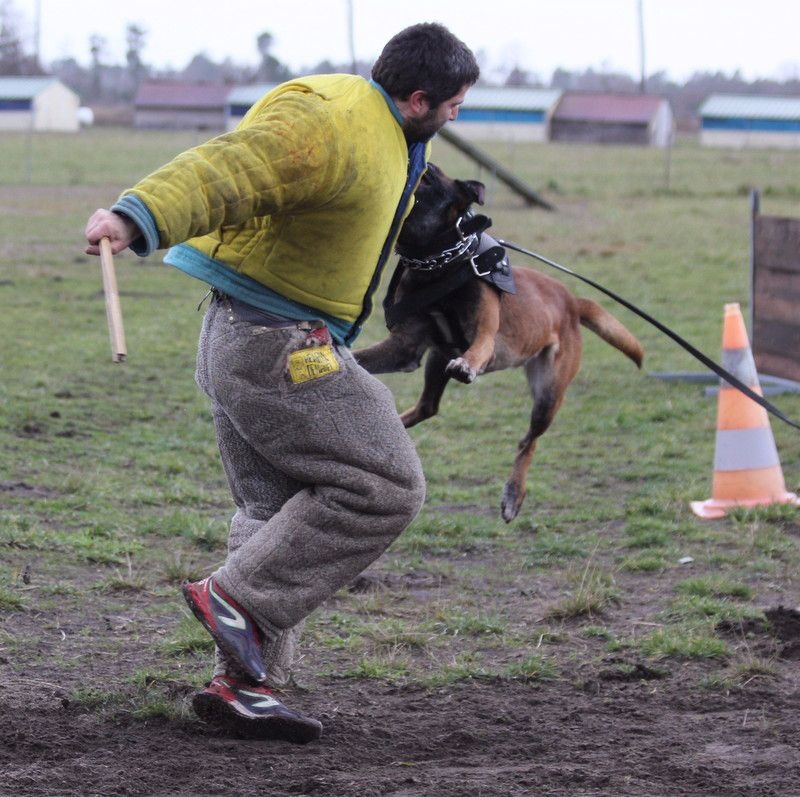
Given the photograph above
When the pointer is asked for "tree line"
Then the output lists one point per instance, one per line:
(106, 83)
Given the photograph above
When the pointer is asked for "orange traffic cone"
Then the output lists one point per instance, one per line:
(747, 471)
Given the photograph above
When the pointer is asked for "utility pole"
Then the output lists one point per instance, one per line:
(351, 37)
(642, 72)
(37, 33)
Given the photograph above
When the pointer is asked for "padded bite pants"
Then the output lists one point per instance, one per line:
(323, 474)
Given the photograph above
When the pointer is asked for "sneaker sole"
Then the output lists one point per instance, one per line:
(216, 711)
(218, 638)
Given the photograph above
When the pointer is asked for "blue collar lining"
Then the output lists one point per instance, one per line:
(389, 101)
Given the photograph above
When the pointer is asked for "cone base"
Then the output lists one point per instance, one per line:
(715, 508)
(753, 484)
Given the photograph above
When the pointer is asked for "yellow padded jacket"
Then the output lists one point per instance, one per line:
(304, 199)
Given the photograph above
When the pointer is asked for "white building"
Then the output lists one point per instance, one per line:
(738, 120)
(506, 114)
(37, 103)
(241, 99)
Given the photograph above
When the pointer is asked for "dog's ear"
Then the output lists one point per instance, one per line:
(473, 190)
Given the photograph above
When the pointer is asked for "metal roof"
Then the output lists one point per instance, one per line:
(625, 108)
(478, 97)
(173, 94)
(23, 88)
(248, 95)
(742, 106)
(510, 98)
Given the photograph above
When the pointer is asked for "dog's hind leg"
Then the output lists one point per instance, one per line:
(549, 373)
(435, 382)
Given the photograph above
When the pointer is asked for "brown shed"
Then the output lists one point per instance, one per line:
(613, 119)
(177, 105)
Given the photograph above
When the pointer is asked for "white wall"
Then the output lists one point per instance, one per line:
(741, 139)
(663, 130)
(500, 131)
(15, 120)
(56, 108)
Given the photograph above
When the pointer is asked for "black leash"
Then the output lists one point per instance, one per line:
(696, 353)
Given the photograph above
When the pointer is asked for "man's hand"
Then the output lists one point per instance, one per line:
(120, 230)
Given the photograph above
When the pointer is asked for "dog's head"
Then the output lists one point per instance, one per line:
(439, 202)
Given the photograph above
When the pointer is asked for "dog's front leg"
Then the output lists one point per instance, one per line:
(475, 359)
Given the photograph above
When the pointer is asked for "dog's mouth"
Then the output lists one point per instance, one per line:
(438, 221)
(422, 239)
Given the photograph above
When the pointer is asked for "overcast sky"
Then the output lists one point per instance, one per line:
(758, 37)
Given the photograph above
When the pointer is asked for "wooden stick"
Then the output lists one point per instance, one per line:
(113, 310)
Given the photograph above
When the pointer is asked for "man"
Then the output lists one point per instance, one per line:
(290, 219)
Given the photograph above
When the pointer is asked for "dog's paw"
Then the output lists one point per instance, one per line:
(461, 370)
(511, 503)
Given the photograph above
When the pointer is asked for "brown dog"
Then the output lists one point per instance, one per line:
(455, 296)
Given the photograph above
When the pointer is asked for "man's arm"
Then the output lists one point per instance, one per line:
(287, 158)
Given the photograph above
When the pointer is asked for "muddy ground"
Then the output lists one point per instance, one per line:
(608, 725)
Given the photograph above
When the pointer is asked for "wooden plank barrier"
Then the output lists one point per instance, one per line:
(775, 293)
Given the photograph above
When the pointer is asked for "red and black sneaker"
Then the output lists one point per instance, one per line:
(231, 626)
(253, 712)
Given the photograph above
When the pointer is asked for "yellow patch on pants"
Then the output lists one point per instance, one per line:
(307, 364)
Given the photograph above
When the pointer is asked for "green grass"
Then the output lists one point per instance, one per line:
(112, 487)
(683, 642)
(189, 637)
(752, 670)
(593, 594)
(714, 586)
(533, 668)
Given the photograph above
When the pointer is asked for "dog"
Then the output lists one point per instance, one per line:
(455, 296)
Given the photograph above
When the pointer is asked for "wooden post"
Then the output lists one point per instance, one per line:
(516, 185)
(755, 207)
(113, 310)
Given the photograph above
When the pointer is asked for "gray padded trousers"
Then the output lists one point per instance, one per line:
(323, 474)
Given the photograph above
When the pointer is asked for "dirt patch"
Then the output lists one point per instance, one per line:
(778, 634)
(608, 725)
(605, 723)
(25, 490)
(507, 738)
(785, 625)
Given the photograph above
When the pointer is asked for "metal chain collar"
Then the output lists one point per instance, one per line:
(463, 246)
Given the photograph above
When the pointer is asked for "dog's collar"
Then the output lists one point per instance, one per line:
(462, 240)
(487, 259)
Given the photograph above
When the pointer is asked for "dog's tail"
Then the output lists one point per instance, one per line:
(612, 331)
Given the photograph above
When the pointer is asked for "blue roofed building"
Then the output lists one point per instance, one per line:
(506, 113)
(240, 99)
(37, 103)
(737, 120)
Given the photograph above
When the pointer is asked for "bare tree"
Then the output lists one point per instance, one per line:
(12, 55)
(97, 46)
(135, 39)
(270, 69)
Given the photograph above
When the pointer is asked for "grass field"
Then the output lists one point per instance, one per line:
(112, 493)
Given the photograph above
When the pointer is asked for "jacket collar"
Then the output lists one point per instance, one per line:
(389, 101)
